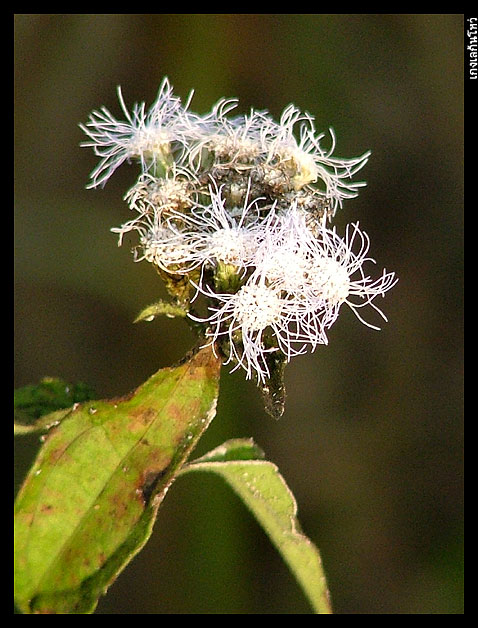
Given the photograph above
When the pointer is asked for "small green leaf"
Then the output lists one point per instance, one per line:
(265, 492)
(90, 499)
(161, 308)
(234, 449)
(38, 407)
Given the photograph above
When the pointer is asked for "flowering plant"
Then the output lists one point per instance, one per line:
(234, 213)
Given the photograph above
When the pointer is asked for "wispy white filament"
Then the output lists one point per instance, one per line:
(244, 318)
(144, 135)
(221, 234)
(299, 283)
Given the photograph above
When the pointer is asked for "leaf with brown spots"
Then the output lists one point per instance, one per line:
(91, 497)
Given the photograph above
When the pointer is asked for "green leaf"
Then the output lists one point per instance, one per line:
(38, 407)
(159, 308)
(91, 497)
(264, 491)
(234, 449)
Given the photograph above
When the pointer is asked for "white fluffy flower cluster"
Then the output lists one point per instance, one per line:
(237, 209)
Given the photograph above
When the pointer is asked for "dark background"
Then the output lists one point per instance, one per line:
(371, 440)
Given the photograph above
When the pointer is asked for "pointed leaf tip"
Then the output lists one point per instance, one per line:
(264, 491)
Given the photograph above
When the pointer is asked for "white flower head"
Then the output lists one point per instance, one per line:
(322, 269)
(338, 275)
(283, 256)
(308, 161)
(160, 242)
(146, 135)
(152, 194)
(235, 142)
(246, 318)
(225, 235)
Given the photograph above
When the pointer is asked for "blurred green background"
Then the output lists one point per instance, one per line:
(371, 440)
